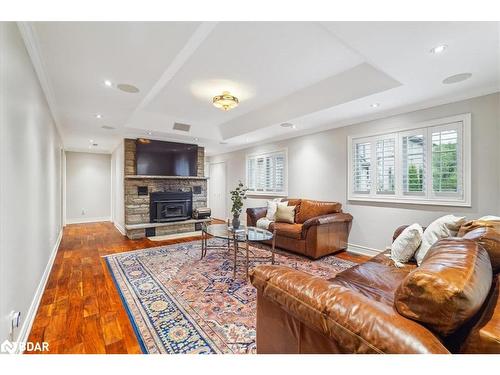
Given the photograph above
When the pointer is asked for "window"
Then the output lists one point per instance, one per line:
(429, 164)
(267, 173)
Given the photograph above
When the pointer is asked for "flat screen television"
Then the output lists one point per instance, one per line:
(158, 158)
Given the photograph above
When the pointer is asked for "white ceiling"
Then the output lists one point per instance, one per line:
(316, 75)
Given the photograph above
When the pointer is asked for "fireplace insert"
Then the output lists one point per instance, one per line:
(170, 206)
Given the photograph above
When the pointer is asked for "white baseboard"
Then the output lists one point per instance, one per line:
(363, 250)
(120, 228)
(87, 220)
(30, 315)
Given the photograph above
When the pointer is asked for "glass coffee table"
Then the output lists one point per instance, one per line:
(237, 242)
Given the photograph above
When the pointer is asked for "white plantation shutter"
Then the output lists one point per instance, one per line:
(446, 160)
(414, 163)
(362, 167)
(266, 173)
(386, 166)
(425, 165)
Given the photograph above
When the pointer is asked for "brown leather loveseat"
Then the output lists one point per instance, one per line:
(449, 304)
(320, 228)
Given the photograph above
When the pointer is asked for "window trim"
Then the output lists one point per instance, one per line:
(399, 197)
(268, 193)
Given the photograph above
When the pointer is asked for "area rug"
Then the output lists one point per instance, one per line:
(178, 303)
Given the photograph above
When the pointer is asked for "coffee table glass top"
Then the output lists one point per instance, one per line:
(243, 233)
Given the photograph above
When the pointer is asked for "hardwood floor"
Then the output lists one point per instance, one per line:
(81, 310)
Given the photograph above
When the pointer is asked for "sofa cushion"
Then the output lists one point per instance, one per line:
(448, 288)
(310, 209)
(287, 230)
(487, 234)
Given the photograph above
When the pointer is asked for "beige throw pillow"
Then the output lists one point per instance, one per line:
(285, 214)
(444, 227)
(271, 208)
(403, 248)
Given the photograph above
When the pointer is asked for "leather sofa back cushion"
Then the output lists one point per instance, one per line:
(310, 209)
(487, 234)
(448, 288)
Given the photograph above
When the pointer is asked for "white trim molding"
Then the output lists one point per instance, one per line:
(88, 220)
(119, 227)
(363, 250)
(30, 315)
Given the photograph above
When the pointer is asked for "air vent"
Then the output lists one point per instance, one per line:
(181, 127)
(107, 127)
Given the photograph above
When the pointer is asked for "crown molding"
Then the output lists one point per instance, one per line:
(31, 42)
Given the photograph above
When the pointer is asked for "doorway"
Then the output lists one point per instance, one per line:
(217, 194)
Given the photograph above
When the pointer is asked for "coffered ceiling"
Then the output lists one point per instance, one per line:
(316, 75)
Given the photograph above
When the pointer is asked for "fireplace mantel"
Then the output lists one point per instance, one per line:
(143, 177)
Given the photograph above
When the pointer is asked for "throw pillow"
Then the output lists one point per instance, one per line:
(285, 214)
(404, 246)
(490, 218)
(271, 208)
(444, 227)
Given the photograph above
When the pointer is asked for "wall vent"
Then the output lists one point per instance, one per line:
(182, 127)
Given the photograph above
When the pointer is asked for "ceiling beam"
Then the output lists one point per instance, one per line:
(194, 42)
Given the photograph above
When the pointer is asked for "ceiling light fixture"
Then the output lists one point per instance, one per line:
(375, 105)
(457, 78)
(108, 83)
(91, 141)
(439, 49)
(196, 139)
(288, 125)
(150, 132)
(225, 101)
(98, 115)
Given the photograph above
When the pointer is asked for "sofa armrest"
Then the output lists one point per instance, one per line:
(340, 217)
(356, 323)
(254, 214)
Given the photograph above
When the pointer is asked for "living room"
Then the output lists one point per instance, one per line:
(304, 187)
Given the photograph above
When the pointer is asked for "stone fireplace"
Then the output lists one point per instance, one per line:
(161, 205)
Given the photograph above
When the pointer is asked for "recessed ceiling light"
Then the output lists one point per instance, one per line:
(125, 87)
(439, 49)
(375, 105)
(457, 78)
(196, 139)
(150, 132)
(91, 141)
(287, 125)
(108, 83)
(98, 115)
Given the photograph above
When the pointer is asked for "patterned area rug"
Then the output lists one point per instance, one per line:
(178, 303)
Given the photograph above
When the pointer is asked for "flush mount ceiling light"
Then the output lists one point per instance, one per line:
(125, 87)
(439, 49)
(108, 83)
(457, 78)
(225, 101)
(287, 125)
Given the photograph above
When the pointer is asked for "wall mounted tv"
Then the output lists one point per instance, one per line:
(158, 158)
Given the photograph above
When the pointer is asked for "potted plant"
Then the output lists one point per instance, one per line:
(237, 197)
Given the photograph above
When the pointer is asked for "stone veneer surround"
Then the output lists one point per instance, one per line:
(137, 206)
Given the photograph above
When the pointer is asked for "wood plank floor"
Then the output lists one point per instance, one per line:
(81, 310)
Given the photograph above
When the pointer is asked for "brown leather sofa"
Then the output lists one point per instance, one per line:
(450, 304)
(320, 228)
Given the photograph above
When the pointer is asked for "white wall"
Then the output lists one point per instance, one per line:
(117, 185)
(88, 187)
(30, 183)
(317, 170)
